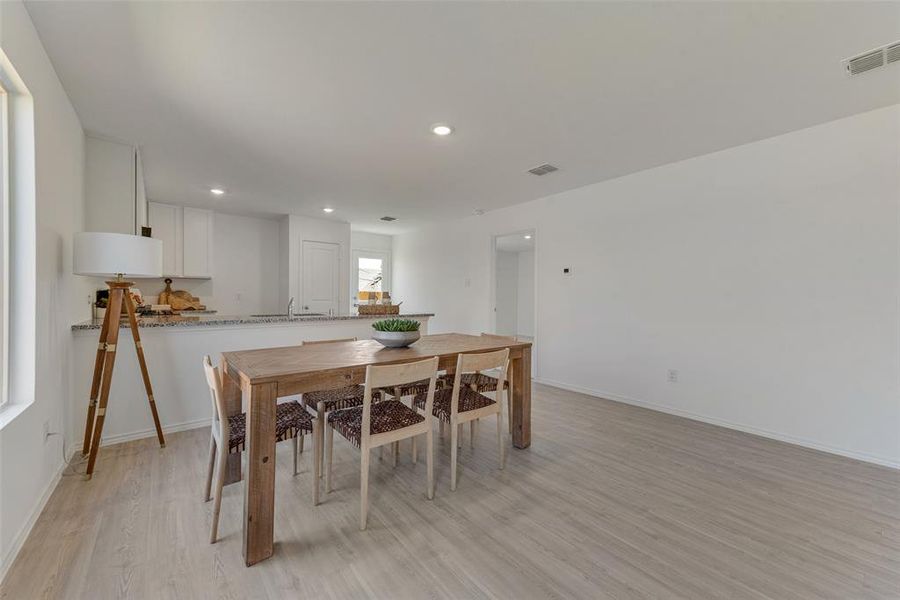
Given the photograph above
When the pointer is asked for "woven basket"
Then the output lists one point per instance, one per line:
(379, 309)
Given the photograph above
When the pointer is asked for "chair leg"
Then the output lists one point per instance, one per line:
(301, 443)
(329, 447)
(472, 425)
(212, 466)
(429, 459)
(317, 461)
(415, 456)
(320, 424)
(220, 483)
(363, 489)
(455, 430)
(297, 439)
(441, 428)
(500, 438)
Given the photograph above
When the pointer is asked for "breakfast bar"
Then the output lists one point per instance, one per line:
(174, 348)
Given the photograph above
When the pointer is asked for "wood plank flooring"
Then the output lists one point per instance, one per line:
(611, 501)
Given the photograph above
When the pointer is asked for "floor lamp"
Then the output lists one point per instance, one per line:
(115, 255)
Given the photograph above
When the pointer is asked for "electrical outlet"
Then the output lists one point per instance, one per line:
(567, 270)
(672, 375)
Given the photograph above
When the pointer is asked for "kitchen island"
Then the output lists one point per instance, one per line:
(174, 347)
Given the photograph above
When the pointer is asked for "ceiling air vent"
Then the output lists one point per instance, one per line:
(543, 169)
(388, 219)
(892, 53)
(873, 59)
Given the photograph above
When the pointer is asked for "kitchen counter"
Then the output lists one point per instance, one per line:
(174, 348)
(220, 320)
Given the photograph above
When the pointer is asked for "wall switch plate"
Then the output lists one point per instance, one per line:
(672, 375)
(567, 270)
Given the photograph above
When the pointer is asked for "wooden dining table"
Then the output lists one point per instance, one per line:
(257, 378)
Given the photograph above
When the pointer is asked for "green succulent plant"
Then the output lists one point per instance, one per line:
(396, 325)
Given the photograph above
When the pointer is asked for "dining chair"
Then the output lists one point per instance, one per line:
(460, 403)
(228, 436)
(376, 424)
(323, 402)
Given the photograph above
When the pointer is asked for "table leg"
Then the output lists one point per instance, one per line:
(233, 406)
(521, 399)
(259, 487)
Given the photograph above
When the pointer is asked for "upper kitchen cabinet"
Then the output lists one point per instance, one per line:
(187, 236)
(114, 186)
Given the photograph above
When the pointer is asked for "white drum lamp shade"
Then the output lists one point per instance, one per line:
(110, 254)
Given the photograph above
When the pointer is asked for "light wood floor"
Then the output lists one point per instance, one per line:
(611, 501)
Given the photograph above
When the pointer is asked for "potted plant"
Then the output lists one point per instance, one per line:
(396, 333)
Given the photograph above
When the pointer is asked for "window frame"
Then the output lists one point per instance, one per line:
(4, 245)
(19, 308)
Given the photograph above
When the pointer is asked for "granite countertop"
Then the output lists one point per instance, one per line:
(216, 320)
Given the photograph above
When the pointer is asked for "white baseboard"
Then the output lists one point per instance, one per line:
(25, 530)
(145, 433)
(781, 437)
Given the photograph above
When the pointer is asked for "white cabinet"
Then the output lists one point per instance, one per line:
(187, 236)
(110, 186)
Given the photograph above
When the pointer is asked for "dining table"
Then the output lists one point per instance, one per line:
(255, 379)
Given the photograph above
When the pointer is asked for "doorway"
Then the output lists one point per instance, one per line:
(514, 285)
(321, 277)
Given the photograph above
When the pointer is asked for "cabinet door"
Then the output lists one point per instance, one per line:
(165, 224)
(197, 242)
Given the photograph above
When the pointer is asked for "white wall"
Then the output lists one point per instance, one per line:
(766, 274)
(302, 229)
(246, 275)
(29, 467)
(363, 240)
(507, 281)
(525, 294)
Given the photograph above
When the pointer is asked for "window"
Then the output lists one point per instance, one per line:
(4, 237)
(372, 272)
(18, 245)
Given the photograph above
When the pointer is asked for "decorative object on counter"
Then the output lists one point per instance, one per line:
(396, 333)
(179, 299)
(379, 309)
(115, 254)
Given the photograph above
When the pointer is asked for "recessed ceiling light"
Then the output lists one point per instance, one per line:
(441, 129)
(216, 191)
(527, 237)
(328, 210)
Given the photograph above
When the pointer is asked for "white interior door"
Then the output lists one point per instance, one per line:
(321, 277)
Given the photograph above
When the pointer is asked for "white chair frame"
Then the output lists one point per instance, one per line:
(474, 363)
(378, 377)
(220, 433)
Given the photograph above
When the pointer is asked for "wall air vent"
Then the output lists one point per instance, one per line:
(873, 59)
(388, 219)
(543, 169)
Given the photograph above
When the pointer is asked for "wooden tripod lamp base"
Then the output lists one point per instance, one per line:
(119, 295)
(101, 254)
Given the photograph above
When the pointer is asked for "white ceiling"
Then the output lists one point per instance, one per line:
(295, 106)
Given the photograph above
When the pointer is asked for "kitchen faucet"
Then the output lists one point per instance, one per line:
(290, 311)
